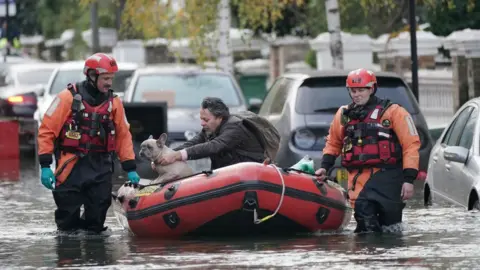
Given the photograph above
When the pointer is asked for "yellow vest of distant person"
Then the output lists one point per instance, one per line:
(4, 42)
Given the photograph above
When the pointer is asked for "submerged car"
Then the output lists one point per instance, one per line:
(183, 87)
(20, 86)
(454, 167)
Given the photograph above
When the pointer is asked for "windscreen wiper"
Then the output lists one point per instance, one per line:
(328, 109)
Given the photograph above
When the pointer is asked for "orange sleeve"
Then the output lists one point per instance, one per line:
(53, 121)
(404, 128)
(123, 141)
(334, 140)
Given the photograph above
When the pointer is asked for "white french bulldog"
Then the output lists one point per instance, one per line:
(153, 150)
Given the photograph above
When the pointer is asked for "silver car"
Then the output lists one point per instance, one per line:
(183, 86)
(454, 165)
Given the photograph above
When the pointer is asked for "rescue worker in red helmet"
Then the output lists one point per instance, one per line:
(379, 145)
(83, 128)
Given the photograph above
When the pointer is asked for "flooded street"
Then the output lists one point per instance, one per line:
(441, 237)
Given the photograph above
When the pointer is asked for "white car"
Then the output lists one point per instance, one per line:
(454, 165)
(23, 74)
(71, 72)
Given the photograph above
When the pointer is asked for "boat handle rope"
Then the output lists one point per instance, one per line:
(256, 220)
(128, 183)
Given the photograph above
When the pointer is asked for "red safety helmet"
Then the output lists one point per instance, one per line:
(101, 63)
(362, 78)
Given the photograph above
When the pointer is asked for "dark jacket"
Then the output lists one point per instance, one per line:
(232, 143)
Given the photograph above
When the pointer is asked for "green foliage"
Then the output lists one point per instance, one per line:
(448, 16)
(311, 59)
(292, 20)
(150, 19)
(26, 19)
(55, 16)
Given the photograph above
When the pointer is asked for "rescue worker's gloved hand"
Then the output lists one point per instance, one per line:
(322, 172)
(133, 177)
(305, 165)
(48, 178)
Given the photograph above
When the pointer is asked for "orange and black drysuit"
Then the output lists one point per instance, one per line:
(83, 128)
(379, 146)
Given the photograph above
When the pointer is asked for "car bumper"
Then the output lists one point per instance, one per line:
(27, 129)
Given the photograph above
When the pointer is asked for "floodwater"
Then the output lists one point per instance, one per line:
(439, 237)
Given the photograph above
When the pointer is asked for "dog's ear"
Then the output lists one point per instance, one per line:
(150, 137)
(162, 140)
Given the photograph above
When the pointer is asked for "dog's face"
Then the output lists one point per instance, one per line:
(152, 149)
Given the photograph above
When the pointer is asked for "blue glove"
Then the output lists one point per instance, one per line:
(48, 179)
(133, 177)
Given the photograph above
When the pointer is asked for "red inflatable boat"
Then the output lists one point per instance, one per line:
(242, 199)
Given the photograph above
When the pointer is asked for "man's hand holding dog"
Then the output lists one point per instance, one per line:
(171, 158)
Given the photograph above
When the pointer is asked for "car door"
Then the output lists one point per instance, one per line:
(440, 176)
(460, 177)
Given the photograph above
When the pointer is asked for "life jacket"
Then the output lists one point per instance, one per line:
(88, 128)
(369, 141)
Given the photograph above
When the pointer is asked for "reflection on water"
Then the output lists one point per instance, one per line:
(441, 237)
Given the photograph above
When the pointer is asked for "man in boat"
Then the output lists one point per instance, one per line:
(379, 146)
(224, 139)
(83, 127)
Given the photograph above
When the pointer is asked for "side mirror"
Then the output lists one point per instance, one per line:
(254, 104)
(456, 154)
(41, 91)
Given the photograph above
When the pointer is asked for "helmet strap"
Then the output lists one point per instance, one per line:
(90, 80)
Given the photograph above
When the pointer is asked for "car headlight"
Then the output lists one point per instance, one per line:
(304, 138)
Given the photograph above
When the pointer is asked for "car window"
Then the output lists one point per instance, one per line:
(279, 101)
(64, 77)
(9, 80)
(186, 89)
(328, 94)
(466, 138)
(36, 76)
(455, 129)
(269, 98)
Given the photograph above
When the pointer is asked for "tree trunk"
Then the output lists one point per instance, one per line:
(333, 22)
(224, 47)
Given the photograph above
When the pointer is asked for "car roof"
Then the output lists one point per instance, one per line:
(14, 59)
(32, 66)
(475, 100)
(177, 68)
(73, 65)
(331, 73)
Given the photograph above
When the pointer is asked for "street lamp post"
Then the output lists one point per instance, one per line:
(413, 47)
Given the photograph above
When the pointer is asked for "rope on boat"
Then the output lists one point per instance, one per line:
(256, 220)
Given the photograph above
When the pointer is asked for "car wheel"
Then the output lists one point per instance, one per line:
(427, 196)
